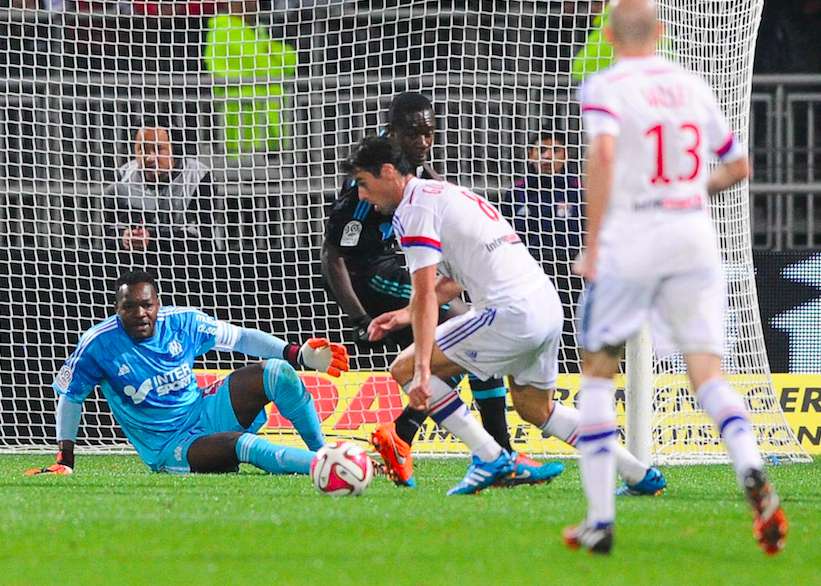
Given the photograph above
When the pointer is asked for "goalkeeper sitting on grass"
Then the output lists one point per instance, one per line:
(143, 358)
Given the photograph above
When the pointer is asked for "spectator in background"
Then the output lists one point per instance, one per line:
(160, 201)
(544, 207)
(597, 52)
(254, 66)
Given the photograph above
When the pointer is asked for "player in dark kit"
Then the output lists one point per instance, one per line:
(364, 271)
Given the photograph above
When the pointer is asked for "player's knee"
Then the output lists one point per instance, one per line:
(279, 376)
(402, 369)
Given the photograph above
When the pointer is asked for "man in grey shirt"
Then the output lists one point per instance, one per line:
(159, 201)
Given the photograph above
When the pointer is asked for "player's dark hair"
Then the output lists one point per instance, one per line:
(135, 278)
(374, 151)
(537, 138)
(404, 107)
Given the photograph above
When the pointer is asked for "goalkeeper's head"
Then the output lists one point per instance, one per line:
(137, 304)
(412, 124)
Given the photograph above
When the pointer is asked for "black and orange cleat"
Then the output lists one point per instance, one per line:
(396, 453)
(596, 539)
(770, 524)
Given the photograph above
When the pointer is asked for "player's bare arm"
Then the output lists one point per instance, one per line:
(728, 174)
(424, 317)
(446, 290)
(599, 181)
(338, 277)
(68, 422)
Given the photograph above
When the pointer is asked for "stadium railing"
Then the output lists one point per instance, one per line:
(46, 155)
(786, 147)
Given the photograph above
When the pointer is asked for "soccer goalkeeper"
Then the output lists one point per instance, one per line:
(143, 358)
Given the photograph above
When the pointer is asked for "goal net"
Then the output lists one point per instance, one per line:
(261, 106)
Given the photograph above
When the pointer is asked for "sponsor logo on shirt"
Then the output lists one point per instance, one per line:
(506, 239)
(168, 382)
(207, 329)
(64, 377)
(351, 233)
(124, 370)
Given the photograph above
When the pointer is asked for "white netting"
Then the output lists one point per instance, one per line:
(270, 122)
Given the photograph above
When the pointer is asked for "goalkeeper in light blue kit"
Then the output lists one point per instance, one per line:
(143, 358)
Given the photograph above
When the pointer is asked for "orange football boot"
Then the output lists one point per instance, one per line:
(396, 453)
(770, 525)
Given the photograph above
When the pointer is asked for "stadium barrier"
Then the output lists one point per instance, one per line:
(352, 406)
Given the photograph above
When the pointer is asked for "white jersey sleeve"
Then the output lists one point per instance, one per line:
(467, 239)
(720, 139)
(600, 112)
(418, 230)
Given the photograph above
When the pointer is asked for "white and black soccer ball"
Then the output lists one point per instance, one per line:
(341, 469)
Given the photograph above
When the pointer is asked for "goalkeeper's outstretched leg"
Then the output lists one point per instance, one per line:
(232, 412)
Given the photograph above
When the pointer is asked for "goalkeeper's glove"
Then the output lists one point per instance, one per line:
(318, 354)
(62, 467)
(57, 469)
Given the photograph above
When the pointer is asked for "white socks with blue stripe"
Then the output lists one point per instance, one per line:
(563, 424)
(597, 443)
(252, 449)
(448, 411)
(726, 408)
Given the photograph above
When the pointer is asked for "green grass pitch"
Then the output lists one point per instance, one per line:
(113, 522)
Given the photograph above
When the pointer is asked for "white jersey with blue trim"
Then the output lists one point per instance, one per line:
(667, 125)
(149, 385)
(439, 223)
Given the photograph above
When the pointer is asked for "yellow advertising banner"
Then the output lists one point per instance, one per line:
(351, 406)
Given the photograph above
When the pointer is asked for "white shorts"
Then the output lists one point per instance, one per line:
(685, 310)
(520, 339)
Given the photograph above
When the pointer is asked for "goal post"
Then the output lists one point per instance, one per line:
(268, 103)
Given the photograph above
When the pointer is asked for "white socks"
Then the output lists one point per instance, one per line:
(563, 423)
(597, 444)
(726, 408)
(448, 410)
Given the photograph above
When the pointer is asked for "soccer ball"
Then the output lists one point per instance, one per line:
(341, 469)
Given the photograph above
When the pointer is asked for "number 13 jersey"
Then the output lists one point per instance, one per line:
(438, 223)
(667, 125)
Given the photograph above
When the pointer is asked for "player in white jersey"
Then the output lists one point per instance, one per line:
(513, 328)
(651, 253)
